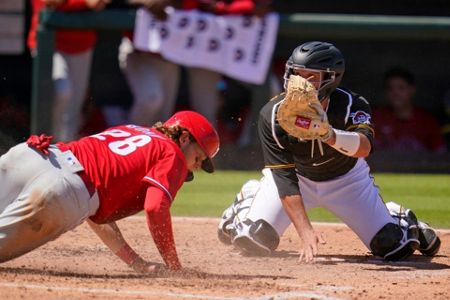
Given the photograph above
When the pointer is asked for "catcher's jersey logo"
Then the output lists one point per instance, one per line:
(360, 117)
(316, 164)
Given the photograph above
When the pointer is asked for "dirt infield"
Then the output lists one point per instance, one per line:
(78, 266)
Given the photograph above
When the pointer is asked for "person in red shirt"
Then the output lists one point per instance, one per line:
(402, 126)
(48, 189)
(153, 80)
(71, 64)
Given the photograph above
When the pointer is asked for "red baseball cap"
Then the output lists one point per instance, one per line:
(201, 130)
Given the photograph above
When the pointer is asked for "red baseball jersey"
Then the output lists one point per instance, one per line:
(123, 161)
(229, 7)
(419, 133)
(67, 41)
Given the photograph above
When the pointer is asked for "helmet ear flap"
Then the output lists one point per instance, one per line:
(201, 130)
(287, 72)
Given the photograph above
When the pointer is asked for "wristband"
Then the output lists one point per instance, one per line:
(127, 254)
(347, 142)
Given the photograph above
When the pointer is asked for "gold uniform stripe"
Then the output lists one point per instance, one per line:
(365, 126)
(280, 166)
(275, 97)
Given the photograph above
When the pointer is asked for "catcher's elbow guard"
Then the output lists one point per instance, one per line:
(347, 142)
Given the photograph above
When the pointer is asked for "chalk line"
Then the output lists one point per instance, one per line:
(116, 291)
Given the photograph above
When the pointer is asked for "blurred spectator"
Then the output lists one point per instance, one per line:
(14, 120)
(402, 126)
(234, 104)
(154, 80)
(446, 127)
(259, 95)
(109, 87)
(71, 65)
(92, 118)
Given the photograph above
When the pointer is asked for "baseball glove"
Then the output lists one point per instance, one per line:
(301, 114)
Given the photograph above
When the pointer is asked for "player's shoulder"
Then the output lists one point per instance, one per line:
(138, 129)
(267, 110)
(159, 141)
(348, 96)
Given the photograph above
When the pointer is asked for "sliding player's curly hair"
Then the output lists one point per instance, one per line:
(173, 132)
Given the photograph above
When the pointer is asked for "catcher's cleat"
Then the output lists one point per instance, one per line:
(223, 237)
(255, 238)
(429, 241)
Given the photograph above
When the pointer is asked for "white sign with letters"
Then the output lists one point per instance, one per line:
(238, 46)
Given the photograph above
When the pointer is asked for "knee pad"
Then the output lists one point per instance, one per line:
(237, 211)
(429, 242)
(250, 233)
(255, 238)
(404, 216)
(225, 225)
(394, 242)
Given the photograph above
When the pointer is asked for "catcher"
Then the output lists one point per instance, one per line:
(315, 137)
(50, 189)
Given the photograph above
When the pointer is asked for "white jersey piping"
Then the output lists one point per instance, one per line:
(350, 102)
(273, 124)
(160, 186)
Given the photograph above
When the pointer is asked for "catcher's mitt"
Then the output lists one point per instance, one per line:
(301, 114)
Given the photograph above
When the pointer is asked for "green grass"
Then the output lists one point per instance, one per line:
(427, 194)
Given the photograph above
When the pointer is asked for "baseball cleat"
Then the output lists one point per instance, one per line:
(223, 237)
(429, 241)
(250, 246)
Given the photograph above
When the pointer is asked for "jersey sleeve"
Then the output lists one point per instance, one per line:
(280, 161)
(72, 5)
(235, 7)
(360, 119)
(168, 174)
(160, 225)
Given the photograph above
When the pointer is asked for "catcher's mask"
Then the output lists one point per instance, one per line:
(201, 130)
(318, 56)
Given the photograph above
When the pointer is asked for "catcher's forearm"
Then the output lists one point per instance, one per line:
(112, 237)
(350, 143)
(295, 209)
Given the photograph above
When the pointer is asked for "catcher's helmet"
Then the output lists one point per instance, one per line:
(201, 130)
(321, 56)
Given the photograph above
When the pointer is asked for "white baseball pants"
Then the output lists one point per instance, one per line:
(70, 76)
(352, 197)
(154, 82)
(40, 198)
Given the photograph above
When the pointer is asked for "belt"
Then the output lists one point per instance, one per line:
(87, 182)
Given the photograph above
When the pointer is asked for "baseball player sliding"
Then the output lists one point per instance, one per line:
(48, 189)
(315, 137)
